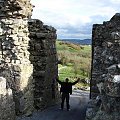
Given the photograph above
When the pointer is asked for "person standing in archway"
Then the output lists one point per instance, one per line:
(66, 90)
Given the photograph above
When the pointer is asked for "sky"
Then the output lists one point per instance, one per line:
(74, 19)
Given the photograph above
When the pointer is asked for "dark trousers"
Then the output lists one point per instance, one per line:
(65, 96)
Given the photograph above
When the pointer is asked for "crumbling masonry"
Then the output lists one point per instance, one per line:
(43, 56)
(28, 61)
(105, 82)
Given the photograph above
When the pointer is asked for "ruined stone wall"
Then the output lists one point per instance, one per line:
(7, 106)
(105, 83)
(28, 61)
(15, 65)
(44, 59)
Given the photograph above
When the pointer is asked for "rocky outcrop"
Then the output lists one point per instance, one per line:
(105, 83)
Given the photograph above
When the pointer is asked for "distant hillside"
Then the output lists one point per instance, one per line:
(78, 41)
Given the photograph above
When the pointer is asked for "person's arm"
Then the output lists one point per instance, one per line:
(75, 81)
(57, 79)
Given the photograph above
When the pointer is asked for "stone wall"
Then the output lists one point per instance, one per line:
(105, 83)
(28, 61)
(7, 106)
(15, 65)
(44, 59)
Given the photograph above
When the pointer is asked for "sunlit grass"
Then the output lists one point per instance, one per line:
(75, 61)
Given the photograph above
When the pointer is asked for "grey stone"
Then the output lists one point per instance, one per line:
(27, 61)
(105, 69)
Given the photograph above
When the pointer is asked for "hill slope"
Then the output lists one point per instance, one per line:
(74, 59)
(78, 41)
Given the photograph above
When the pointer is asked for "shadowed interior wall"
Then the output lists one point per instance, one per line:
(43, 56)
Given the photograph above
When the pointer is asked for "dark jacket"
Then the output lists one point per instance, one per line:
(66, 87)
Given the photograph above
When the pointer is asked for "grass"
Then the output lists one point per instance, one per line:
(75, 60)
(66, 72)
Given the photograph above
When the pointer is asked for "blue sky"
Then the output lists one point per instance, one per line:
(74, 18)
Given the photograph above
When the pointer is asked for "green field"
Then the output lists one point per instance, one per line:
(74, 60)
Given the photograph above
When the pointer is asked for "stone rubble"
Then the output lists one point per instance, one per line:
(105, 83)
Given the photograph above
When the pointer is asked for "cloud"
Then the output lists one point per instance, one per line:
(115, 1)
(74, 18)
(79, 32)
